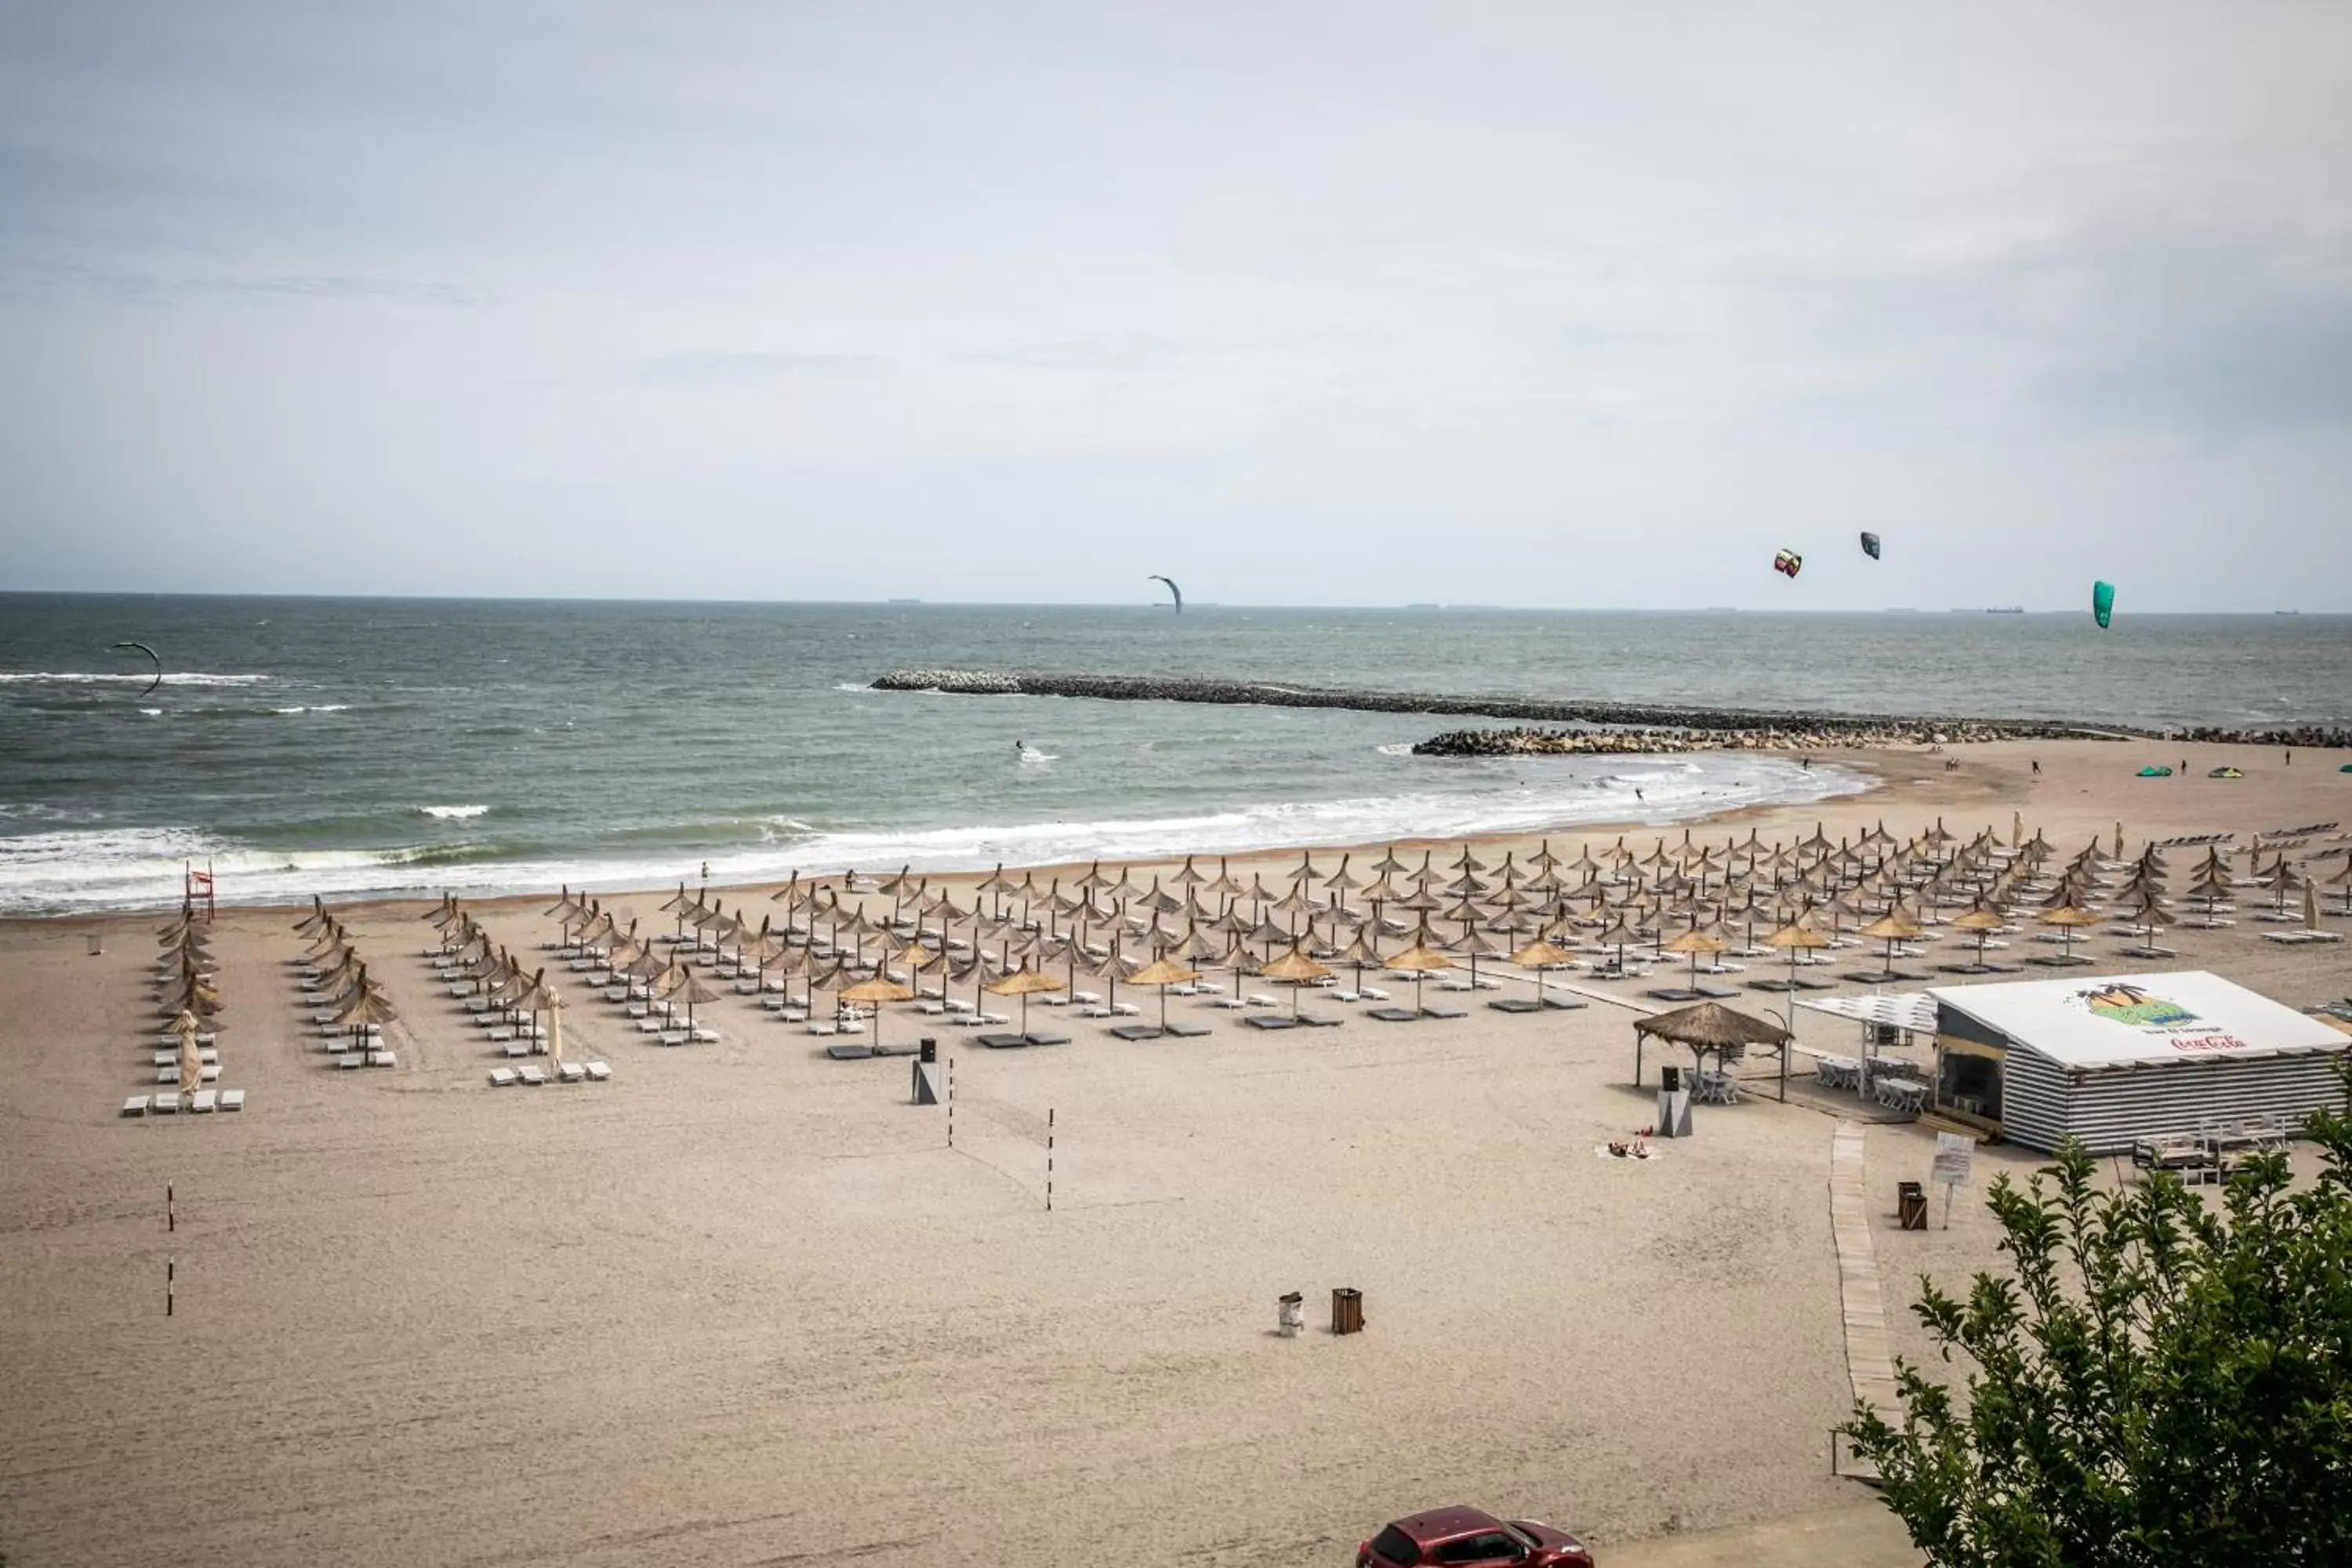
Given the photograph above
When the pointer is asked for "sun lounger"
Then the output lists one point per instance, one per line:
(1443, 1013)
(1673, 994)
(904, 1049)
(164, 1105)
(569, 1072)
(1182, 1030)
(351, 1061)
(793, 1016)
(531, 1076)
(135, 1106)
(1393, 1015)
(1270, 1021)
(1373, 993)
(856, 1052)
(598, 1072)
(1516, 1005)
(232, 1099)
(1135, 1031)
(1002, 1042)
(671, 1037)
(1089, 998)
(1125, 1010)
(823, 1026)
(1096, 1010)
(1231, 1003)
(204, 1101)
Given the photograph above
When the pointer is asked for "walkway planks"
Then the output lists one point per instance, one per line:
(1869, 1362)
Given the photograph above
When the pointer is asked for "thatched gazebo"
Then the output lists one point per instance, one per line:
(1711, 1026)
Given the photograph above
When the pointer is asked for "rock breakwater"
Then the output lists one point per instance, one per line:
(1608, 726)
(1822, 729)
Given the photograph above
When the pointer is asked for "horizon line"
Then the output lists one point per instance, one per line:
(1156, 607)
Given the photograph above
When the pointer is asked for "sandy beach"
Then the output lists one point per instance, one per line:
(743, 1304)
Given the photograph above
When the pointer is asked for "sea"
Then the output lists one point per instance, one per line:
(398, 747)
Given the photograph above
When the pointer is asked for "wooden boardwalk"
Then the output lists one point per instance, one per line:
(1870, 1365)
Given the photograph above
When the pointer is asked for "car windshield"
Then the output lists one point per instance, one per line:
(1396, 1546)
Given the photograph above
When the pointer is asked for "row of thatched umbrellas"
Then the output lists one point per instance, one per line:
(357, 1002)
(1813, 894)
(185, 996)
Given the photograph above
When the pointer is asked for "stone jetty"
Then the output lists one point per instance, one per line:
(1825, 729)
(1601, 726)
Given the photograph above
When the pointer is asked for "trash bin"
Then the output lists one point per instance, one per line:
(1347, 1311)
(1911, 1205)
(930, 1049)
(1290, 1314)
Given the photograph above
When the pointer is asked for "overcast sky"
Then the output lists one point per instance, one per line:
(1320, 303)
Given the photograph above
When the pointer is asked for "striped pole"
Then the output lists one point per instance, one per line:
(1049, 1158)
(951, 1102)
(171, 1213)
(171, 1266)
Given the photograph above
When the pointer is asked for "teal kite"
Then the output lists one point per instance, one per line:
(1870, 545)
(2103, 604)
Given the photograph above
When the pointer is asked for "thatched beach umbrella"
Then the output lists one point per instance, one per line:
(2068, 919)
(1711, 1026)
(1163, 972)
(1693, 942)
(876, 991)
(1892, 927)
(1536, 957)
(1982, 919)
(1297, 969)
(1023, 983)
(1420, 961)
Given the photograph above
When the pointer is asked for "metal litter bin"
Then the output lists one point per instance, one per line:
(1347, 1311)
(1290, 1314)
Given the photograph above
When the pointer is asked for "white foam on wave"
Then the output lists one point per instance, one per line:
(75, 869)
(98, 678)
(68, 871)
(852, 686)
(454, 811)
(1395, 749)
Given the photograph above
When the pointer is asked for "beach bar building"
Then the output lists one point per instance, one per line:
(2121, 1058)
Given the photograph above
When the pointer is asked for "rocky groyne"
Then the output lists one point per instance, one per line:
(1524, 741)
(1605, 726)
(1701, 728)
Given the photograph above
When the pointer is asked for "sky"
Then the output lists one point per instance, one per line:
(1541, 304)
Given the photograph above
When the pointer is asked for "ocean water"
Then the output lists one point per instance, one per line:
(355, 747)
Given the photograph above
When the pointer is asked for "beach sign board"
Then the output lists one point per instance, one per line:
(1953, 1151)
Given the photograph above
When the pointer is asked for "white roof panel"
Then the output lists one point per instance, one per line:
(2128, 1020)
(1913, 1010)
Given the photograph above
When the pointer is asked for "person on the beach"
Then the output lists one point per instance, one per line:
(1637, 793)
(2037, 767)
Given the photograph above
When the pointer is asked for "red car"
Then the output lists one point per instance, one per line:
(1465, 1538)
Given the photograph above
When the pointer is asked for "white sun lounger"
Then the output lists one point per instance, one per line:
(232, 1099)
(165, 1105)
(705, 1034)
(670, 1037)
(1095, 1010)
(529, 1076)
(570, 1072)
(1373, 993)
(597, 1072)
(1125, 1010)
(518, 1048)
(204, 1101)
(501, 1077)
(1233, 1004)
(381, 1059)
(823, 1026)
(135, 1106)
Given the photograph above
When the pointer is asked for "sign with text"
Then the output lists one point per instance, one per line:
(1953, 1153)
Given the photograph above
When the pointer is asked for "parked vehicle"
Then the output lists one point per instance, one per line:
(1467, 1538)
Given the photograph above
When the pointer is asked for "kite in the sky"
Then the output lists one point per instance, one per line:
(1172, 589)
(2103, 604)
(150, 652)
(1788, 563)
(1870, 545)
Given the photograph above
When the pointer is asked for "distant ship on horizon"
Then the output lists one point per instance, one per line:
(2004, 609)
